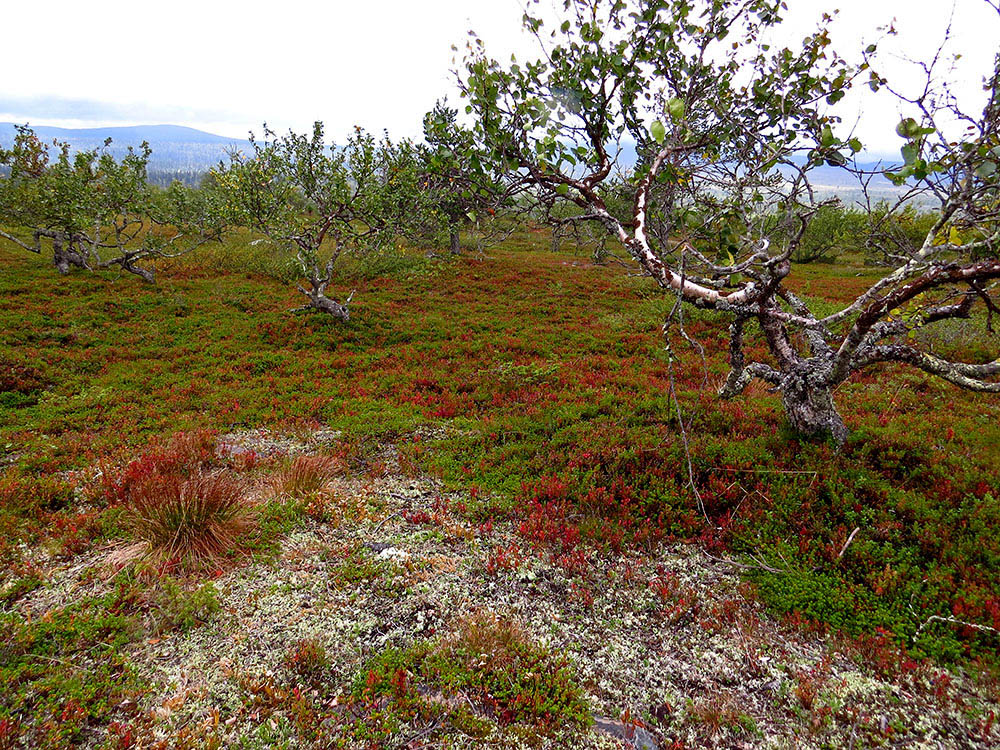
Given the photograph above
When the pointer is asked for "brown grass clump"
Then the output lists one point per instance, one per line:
(306, 475)
(713, 713)
(189, 450)
(188, 521)
(496, 641)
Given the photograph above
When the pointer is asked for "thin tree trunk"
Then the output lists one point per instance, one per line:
(455, 240)
(319, 301)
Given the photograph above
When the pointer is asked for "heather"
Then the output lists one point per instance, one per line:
(529, 392)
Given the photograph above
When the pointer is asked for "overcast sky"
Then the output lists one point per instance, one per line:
(226, 67)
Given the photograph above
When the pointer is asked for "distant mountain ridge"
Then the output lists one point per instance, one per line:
(130, 133)
(827, 178)
(178, 151)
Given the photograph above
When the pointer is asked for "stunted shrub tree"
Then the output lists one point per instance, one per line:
(320, 200)
(895, 230)
(832, 230)
(94, 211)
(461, 185)
(729, 124)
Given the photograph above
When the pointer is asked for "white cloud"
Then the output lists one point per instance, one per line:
(378, 64)
(226, 66)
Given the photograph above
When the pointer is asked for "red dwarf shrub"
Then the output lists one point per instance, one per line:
(307, 658)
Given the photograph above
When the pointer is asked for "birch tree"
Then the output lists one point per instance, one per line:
(93, 211)
(319, 200)
(729, 125)
(461, 184)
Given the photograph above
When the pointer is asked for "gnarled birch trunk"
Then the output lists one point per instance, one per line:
(810, 408)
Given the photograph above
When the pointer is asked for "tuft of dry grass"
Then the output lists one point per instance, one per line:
(188, 521)
(306, 475)
(713, 713)
(192, 450)
(496, 640)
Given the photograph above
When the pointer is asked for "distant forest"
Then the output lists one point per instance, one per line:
(164, 177)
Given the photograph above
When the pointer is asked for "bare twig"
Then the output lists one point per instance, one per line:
(952, 621)
(848, 542)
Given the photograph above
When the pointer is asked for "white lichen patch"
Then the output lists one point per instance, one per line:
(672, 643)
(266, 443)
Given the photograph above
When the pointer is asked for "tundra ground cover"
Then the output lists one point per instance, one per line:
(548, 373)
